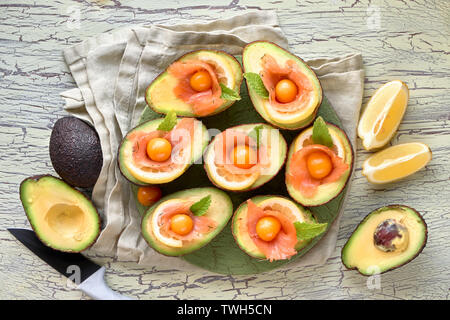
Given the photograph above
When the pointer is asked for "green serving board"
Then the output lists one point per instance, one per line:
(222, 255)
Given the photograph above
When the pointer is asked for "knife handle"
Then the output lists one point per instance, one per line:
(96, 287)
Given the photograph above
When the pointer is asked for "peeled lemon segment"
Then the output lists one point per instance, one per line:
(396, 162)
(383, 114)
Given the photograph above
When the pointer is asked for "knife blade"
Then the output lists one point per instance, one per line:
(90, 277)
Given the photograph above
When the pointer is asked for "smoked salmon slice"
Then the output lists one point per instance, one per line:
(202, 224)
(272, 73)
(205, 102)
(227, 141)
(299, 176)
(180, 137)
(283, 246)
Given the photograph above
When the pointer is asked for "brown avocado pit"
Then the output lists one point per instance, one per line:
(391, 235)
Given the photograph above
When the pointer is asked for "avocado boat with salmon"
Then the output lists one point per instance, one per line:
(319, 165)
(199, 84)
(284, 90)
(245, 157)
(274, 227)
(186, 220)
(161, 150)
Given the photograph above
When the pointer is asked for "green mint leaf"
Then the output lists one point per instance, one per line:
(200, 207)
(254, 134)
(320, 134)
(170, 120)
(306, 231)
(228, 94)
(255, 82)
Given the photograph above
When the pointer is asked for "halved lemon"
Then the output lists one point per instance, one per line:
(383, 114)
(396, 162)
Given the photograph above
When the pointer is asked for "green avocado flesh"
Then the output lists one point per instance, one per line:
(200, 141)
(277, 155)
(328, 191)
(220, 210)
(251, 59)
(361, 253)
(62, 217)
(160, 96)
(240, 230)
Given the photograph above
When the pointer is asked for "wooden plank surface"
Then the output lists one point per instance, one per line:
(407, 40)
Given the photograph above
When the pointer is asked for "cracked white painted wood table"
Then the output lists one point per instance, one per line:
(407, 40)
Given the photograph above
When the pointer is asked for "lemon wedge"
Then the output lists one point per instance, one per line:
(383, 114)
(396, 162)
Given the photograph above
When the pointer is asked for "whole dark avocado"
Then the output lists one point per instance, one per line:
(75, 152)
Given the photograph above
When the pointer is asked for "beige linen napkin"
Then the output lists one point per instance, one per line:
(112, 72)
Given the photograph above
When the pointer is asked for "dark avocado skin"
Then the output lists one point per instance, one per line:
(392, 206)
(75, 152)
(77, 192)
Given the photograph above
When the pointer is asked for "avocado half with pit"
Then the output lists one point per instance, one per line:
(327, 191)
(270, 139)
(387, 238)
(141, 175)
(240, 218)
(219, 212)
(160, 93)
(61, 216)
(293, 115)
